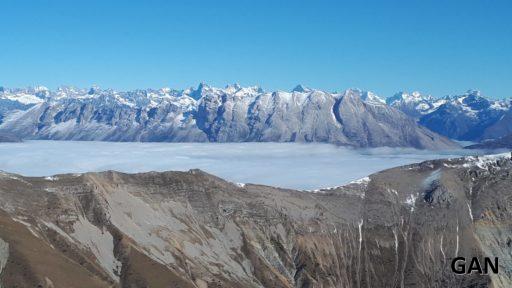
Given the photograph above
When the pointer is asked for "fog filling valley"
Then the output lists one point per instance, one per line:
(287, 165)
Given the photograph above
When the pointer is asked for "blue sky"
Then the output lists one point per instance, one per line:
(437, 47)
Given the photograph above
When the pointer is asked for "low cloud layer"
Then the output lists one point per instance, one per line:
(290, 165)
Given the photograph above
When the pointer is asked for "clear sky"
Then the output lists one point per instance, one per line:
(437, 47)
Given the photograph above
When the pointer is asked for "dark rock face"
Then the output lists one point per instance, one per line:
(397, 228)
(234, 114)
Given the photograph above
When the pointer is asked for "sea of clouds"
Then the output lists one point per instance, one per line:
(288, 165)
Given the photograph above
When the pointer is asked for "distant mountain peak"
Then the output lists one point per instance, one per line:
(93, 90)
(352, 91)
(234, 86)
(301, 89)
(416, 94)
(202, 86)
(365, 96)
(199, 91)
(372, 98)
(413, 96)
(165, 90)
(472, 92)
(41, 88)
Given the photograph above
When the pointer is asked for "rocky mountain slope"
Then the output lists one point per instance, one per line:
(397, 228)
(233, 114)
(469, 117)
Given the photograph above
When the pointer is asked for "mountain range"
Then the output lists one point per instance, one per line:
(241, 114)
(397, 228)
(207, 114)
(467, 117)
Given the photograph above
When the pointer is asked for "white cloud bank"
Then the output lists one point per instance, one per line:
(290, 165)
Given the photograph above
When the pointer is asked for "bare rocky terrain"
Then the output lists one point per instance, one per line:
(396, 228)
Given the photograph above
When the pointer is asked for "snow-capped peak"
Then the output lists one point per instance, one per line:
(233, 88)
(93, 90)
(202, 90)
(165, 90)
(366, 96)
(372, 98)
(472, 92)
(41, 89)
(415, 96)
(414, 104)
(352, 92)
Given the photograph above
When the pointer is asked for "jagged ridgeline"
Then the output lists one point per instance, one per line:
(469, 117)
(206, 114)
(398, 228)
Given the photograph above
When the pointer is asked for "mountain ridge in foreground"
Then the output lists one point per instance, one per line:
(207, 114)
(397, 228)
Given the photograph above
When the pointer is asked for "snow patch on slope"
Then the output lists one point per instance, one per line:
(411, 201)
